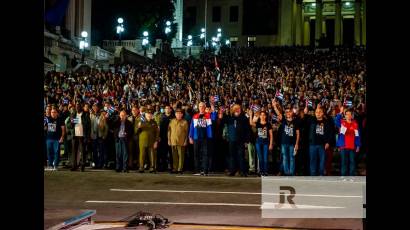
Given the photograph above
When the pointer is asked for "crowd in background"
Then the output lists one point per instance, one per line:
(282, 111)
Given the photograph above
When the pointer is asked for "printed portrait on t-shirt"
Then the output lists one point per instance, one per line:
(289, 130)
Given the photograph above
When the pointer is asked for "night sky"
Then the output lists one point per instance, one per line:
(260, 17)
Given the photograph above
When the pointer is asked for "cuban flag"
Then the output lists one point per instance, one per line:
(65, 101)
(111, 109)
(309, 103)
(45, 120)
(348, 103)
(274, 118)
(255, 108)
(279, 95)
(216, 98)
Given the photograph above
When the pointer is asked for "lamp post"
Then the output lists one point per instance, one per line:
(168, 27)
(120, 28)
(202, 36)
(83, 44)
(189, 43)
(145, 42)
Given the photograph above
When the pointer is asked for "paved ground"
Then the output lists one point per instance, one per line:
(69, 193)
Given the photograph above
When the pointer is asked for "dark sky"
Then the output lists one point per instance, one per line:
(104, 18)
(260, 17)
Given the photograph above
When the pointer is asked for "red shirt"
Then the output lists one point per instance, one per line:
(349, 133)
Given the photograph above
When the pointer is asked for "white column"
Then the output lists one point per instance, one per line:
(318, 23)
(70, 18)
(179, 7)
(338, 22)
(87, 19)
(357, 30)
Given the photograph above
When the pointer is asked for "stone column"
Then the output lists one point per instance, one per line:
(306, 32)
(319, 23)
(364, 23)
(338, 22)
(357, 30)
(299, 23)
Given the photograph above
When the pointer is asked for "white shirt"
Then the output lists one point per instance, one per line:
(78, 127)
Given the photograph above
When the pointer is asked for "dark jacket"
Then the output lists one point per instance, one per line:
(117, 126)
(238, 128)
(327, 131)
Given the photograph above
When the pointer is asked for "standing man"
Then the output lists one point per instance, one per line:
(82, 128)
(133, 143)
(319, 140)
(200, 132)
(122, 133)
(164, 151)
(148, 140)
(238, 130)
(178, 140)
(55, 136)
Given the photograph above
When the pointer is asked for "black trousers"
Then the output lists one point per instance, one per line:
(201, 155)
(78, 148)
(237, 156)
(164, 157)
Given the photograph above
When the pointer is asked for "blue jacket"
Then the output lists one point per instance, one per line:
(209, 118)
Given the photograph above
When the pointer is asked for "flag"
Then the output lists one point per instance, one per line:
(348, 103)
(279, 95)
(309, 103)
(216, 98)
(111, 109)
(218, 71)
(255, 108)
(274, 118)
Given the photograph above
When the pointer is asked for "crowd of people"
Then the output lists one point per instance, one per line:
(260, 110)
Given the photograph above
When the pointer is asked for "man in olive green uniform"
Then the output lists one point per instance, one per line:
(148, 140)
(178, 139)
(133, 143)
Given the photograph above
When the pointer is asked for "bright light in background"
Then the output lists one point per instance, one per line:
(189, 37)
(82, 44)
(203, 30)
(120, 20)
(219, 30)
(168, 23)
(219, 35)
(189, 43)
(347, 3)
(227, 42)
(84, 34)
(213, 43)
(144, 41)
(213, 38)
(314, 4)
(202, 36)
(145, 33)
(167, 30)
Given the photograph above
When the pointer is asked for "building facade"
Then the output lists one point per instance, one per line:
(299, 22)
